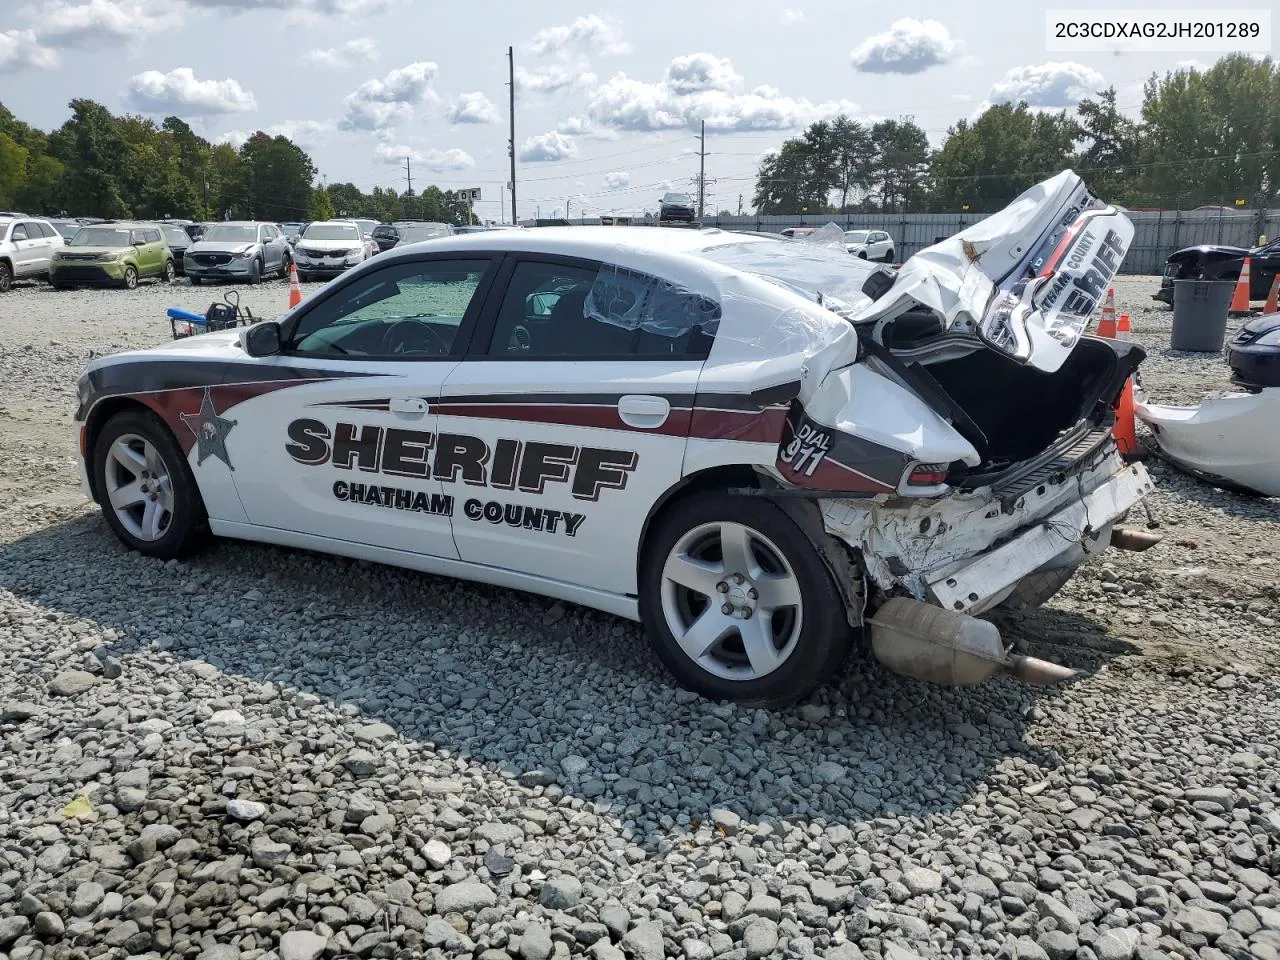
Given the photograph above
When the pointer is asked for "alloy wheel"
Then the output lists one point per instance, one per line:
(732, 601)
(139, 487)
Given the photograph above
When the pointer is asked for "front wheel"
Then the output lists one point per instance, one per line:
(255, 272)
(737, 603)
(130, 281)
(195, 281)
(862, 254)
(148, 494)
(304, 277)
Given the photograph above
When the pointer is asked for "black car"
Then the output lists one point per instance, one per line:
(1254, 353)
(385, 236)
(1213, 262)
(676, 208)
(178, 239)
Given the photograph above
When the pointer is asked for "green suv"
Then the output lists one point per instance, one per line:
(115, 254)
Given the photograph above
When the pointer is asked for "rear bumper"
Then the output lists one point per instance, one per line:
(966, 552)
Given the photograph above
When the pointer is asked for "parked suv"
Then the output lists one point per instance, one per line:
(26, 248)
(328, 247)
(237, 250)
(869, 244)
(676, 207)
(112, 254)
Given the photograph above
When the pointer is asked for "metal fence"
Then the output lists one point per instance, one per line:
(1156, 233)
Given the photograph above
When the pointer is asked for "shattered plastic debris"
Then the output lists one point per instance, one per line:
(81, 808)
(829, 236)
(638, 301)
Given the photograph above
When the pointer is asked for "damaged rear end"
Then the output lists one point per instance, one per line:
(966, 456)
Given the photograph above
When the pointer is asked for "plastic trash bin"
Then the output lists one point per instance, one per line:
(1200, 314)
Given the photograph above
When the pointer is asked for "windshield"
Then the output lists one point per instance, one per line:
(809, 269)
(101, 237)
(67, 229)
(331, 231)
(176, 237)
(384, 231)
(414, 234)
(225, 233)
(856, 236)
(676, 198)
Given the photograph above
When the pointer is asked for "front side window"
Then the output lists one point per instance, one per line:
(579, 311)
(19, 232)
(406, 311)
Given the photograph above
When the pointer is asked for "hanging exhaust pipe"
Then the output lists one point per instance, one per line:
(928, 643)
(1130, 538)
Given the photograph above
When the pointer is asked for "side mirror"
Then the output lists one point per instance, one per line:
(261, 339)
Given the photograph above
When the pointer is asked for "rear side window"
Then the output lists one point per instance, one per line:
(600, 311)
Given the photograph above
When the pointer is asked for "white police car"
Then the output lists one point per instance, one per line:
(749, 444)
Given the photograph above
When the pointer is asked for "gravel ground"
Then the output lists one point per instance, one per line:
(267, 753)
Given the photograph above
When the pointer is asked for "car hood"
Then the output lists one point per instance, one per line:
(1210, 248)
(350, 244)
(1024, 280)
(220, 246)
(97, 251)
(219, 345)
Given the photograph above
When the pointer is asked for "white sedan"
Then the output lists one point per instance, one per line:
(726, 436)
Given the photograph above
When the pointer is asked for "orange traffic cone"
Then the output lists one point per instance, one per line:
(295, 288)
(1107, 325)
(1124, 431)
(1273, 298)
(1240, 298)
(1124, 329)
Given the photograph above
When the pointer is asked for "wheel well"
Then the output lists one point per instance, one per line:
(98, 417)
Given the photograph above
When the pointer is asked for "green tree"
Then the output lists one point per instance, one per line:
(349, 201)
(227, 190)
(854, 160)
(319, 206)
(900, 175)
(278, 174)
(92, 151)
(1006, 150)
(41, 192)
(13, 170)
(1110, 150)
(786, 183)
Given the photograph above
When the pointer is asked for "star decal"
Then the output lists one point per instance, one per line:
(210, 431)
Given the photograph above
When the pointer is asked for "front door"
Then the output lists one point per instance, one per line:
(570, 416)
(348, 451)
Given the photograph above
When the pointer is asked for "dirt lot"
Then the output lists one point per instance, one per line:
(286, 755)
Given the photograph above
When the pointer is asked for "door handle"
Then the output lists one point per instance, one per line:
(643, 412)
(409, 407)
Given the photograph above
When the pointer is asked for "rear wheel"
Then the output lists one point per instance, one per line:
(6, 276)
(130, 281)
(888, 257)
(737, 603)
(169, 272)
(195, 281)
(148, 494)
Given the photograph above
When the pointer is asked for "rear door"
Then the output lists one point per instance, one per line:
(27, 243)
(569, 417)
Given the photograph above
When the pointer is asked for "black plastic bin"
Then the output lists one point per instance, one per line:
(1200, 314)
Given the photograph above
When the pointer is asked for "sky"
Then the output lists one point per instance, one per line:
(609, 96)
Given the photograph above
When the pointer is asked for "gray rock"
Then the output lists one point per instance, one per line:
(1024, 948)
(829, 772)
(1063, 916)
(617, 920)
(268, 854)
(922, 880)
(696, 950)
(361, 763)
(980, 885)
(604, 950)
(726, 820)
(220, 951)
(535, 942)
(436, 853)
(764, 906)
(301, 945)
(71, 683)
(11, 928)
(760, 938)
(843, 951)
(465, 897)
(1204, 922)
(1058, 944)
(643, 941)
(246, 810)
(87, 897)
(374, 733)
(560, 893)
(1116, 944)
(16, 711)
(48, 924)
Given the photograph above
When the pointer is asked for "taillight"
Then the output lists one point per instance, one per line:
(927, 475)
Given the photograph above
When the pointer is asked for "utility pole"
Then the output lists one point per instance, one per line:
(702, 167)
(567, 201)
(511, 144)
(739, 204)
(408, 175)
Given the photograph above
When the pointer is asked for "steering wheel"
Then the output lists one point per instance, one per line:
(412, 335)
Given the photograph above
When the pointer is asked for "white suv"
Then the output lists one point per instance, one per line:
(26, 248)
(869, 244)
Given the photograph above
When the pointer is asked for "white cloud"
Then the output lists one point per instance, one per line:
(90, 23)
(305, 133)
(437, 161)
(790, 16)
(360, 50)
(695, 72)
(908, 46)
(556, 78)
(379, 104)
(19, 49)
(617, 179)
(547, 147)
(178, 91)
(308, 10)
(1053, 84)
(577, 126)
(701, 87)
(473, 108)
(587, 35)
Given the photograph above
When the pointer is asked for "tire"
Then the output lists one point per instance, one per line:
(166, 522)
(6, 276)
(304, 277)
(196, 281)
(799, 646)
(888, 257)
(255, 275)
(169, 272)
(1036, 589)
(286, 263)
(862, 254)
(130, 281)
(58, 286)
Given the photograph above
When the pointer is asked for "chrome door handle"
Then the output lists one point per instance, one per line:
(409, 407)
(643, 412)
